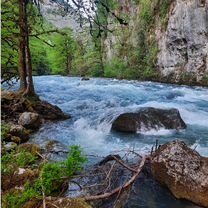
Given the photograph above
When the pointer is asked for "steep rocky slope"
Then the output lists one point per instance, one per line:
(173, 35)
(184, 45)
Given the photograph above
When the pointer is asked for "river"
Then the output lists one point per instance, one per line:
(94, 104)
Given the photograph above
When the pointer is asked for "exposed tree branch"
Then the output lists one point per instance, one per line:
(44, 41)
(120, 188)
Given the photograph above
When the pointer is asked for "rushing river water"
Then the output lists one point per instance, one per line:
(94, 104)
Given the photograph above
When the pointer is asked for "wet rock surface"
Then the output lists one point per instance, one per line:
(9, 146)
(13, 104)
(183, 171)
(145, 192)
(55, 150)
(30, 120)
(147, 119)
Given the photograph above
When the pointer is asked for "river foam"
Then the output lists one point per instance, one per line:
(94, 104)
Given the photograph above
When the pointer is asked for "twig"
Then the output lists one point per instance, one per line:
(43, 193)
(41, 156)
(118, 189)
(123, 164)
(52, 204)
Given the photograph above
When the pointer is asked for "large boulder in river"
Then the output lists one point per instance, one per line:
(183, 171)
(147, 119)
(30, 120)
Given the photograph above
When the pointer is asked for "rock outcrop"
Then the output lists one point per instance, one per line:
(14, 104)
(183, 171)
(180, 33)
(183, 55)
(147, 119)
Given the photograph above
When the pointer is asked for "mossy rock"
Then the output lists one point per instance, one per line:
(68, 202)
(5, 131)
(32, 148)
(18, 178)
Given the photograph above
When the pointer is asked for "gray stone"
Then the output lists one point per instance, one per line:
(183, 171)
(148, 118)
(9, 146)
(184, 45)
(29, 120)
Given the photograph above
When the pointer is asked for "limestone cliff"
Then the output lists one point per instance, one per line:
(174, 39)
(183, 46)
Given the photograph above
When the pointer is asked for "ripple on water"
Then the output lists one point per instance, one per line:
(94, 104)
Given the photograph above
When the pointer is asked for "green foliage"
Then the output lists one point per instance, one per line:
(50, 177)
(24, 159)
(9, 39)
(16, 199)
(75, 160)
(163, 12)
(7, 163)
(5, 128)
(147, 12)
(116, 68)
(60, 56)
(144, 57)
(11, 161)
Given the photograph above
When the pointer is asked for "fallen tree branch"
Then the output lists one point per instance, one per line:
(117, 190)
(124, 165)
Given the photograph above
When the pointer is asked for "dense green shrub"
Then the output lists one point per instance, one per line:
(52, 175)
(75, 160)
(11, 161)
(116, 67)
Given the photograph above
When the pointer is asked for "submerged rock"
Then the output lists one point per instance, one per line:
(85, 78)
(147, 119)
(30, 120)
(55, 146)
(183, 171)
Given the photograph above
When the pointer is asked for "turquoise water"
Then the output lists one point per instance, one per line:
(94, 104)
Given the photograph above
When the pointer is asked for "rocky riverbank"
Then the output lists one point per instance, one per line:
(113, 182)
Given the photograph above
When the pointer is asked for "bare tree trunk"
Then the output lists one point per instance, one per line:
(68, 64)
(25, 62)
(30, 86)
(22, 54)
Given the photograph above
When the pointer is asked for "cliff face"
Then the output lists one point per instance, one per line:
(183, 55)
(182, 41)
